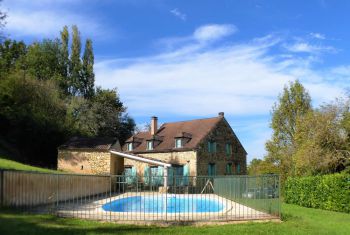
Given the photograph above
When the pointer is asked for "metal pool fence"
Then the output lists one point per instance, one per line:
(130, 198)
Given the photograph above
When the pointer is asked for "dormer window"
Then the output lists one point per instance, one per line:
(129, 146)
(182, 138)
(178, 143)
(149, 145)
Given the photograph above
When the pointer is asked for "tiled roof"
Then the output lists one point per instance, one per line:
(95, 143)
(194, 131)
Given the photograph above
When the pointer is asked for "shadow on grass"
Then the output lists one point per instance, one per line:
(27, 224)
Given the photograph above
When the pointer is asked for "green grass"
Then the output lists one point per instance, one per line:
(297, 220)
(13, 165)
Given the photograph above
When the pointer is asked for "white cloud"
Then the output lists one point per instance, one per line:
(308, 48)
(176, 12)
(213, 32)
(305, 47)
(318, 36)
(46, 18)
(241, 79)
(45, 23)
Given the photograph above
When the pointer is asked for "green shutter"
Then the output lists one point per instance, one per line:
(160, 175)
(170, 176)
(214, 147)
(238, 168)
(209, 146)
(146, 175)
(186, 174)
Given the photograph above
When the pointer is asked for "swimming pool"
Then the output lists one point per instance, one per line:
(161, 204)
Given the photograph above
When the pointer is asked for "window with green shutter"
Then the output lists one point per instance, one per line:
(238, 169)
(211, 146)
(228, 149)
(229, 169)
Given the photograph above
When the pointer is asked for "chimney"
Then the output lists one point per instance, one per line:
(221, 114)
(154, 125)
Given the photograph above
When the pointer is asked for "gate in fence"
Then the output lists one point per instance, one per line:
(122, 198)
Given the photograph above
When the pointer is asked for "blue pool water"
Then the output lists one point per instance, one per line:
(159, 204)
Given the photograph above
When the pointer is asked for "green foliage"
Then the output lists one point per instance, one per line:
(322, 141)
(293, 103)
(32, 117)
(329, 192)
(75, 62)
(88, 76)
(48, 95)
(11, 53)
(43, 60)
(262, 167)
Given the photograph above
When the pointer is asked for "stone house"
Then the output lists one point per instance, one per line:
(193, 148)
(90, 156)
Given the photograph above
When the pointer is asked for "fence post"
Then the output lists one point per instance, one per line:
(1, 187)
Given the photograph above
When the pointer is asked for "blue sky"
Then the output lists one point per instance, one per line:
(183, 60)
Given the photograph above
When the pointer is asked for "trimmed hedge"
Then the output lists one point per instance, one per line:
(328, 192)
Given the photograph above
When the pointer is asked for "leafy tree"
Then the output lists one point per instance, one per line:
(292, 104)
(32, 117)
(43, 60)
(322, 141)
(12, 54)
(88, 76)
(262, 167)
(75, 62)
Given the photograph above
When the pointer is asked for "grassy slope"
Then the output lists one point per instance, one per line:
(13, 165)
(298, 220)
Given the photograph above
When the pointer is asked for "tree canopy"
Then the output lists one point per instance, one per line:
(48, 94)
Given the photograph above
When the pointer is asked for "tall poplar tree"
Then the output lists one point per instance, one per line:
(75, 62)
(88, 78)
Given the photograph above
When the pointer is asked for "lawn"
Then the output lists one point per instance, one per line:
(297, 220)
(13, 165)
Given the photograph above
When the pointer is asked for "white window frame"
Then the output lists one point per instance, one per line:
(130, 147)
(176, 143)
(150, 145)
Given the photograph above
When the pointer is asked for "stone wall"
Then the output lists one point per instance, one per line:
(222, 134)
(180, 158)
(22, 188)
(84, 161)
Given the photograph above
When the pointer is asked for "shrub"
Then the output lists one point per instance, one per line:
(328, 192)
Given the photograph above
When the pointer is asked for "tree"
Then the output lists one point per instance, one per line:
(12, 54)
(322, 141)
(32, 117)
(75, 62)
(65, 63)
(292, 104)
(43, 60)
(88, 76)
(262, 167)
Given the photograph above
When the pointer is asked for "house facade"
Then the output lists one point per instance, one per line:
(198, 147)
(193, 148)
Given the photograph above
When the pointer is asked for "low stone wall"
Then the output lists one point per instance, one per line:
(30, 189)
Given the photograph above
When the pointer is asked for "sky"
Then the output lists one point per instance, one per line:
(182, 60)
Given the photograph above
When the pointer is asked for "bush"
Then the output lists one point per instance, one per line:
(328, 192)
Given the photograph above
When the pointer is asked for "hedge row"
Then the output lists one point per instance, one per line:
(328, 192)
